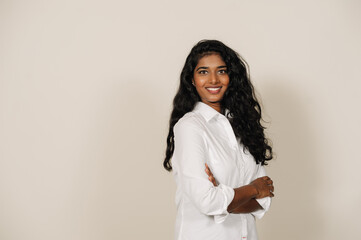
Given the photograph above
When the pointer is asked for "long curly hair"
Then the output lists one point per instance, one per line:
(240, 99)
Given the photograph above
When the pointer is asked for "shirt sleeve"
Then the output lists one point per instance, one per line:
(264, 202)
(190, 152)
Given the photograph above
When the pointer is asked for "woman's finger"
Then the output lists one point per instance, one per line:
(208, 172)
(210, 175)
(212, 180)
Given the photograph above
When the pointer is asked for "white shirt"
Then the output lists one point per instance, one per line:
(206, 136)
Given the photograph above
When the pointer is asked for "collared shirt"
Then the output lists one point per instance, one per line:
(206, 136)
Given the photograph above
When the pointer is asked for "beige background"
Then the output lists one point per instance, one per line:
(86, 90)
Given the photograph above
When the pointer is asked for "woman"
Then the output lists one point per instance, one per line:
(218, 148)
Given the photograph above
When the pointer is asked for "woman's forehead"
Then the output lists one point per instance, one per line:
(211, 60)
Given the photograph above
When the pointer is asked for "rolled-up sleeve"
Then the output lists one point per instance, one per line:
(264, 202)
(190, 153)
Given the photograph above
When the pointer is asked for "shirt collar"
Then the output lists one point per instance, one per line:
(207, 111)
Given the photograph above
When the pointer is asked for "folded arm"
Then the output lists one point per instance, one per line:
(245, 197)
(248, 207)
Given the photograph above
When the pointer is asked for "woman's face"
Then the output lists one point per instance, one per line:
(211, 80)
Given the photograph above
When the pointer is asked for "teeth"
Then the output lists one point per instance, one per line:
(214, 89)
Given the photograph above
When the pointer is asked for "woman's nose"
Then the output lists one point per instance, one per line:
(213, 78)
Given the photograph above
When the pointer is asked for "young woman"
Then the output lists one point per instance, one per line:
(216, 148)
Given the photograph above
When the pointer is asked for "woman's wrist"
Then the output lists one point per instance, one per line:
(242, 195)
(254, 191)
(248, 207)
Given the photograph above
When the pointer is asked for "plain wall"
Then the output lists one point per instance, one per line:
(86, 90)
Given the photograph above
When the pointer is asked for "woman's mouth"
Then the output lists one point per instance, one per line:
(213, 90)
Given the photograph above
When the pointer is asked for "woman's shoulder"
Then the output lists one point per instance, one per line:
(190, 120)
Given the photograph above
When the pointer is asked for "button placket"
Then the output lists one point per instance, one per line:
(229, 131)
(244, 227)
(235, 145)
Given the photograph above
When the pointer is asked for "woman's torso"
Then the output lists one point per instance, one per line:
(230, 166)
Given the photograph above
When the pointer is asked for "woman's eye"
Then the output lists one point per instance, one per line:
(222, 71)
(203, 72)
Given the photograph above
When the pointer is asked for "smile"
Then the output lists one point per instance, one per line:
(214, 90)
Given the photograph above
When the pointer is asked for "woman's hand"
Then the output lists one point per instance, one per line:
(264, 186)
(210, 176)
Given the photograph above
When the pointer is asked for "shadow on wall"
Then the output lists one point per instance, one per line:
(295, 213)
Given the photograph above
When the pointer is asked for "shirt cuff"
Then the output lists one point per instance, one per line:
(228, 193)
(265, 204)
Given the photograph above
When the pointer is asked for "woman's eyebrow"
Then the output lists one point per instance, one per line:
(202, 68)
(223, 66)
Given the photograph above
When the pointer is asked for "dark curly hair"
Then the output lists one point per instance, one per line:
(239, 99)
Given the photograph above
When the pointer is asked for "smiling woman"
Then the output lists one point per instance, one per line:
(218, 148)
(211, 80)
